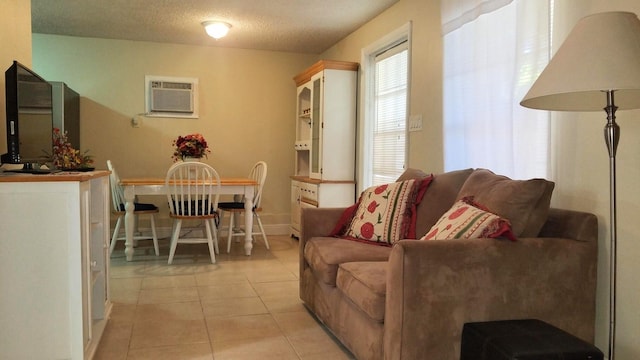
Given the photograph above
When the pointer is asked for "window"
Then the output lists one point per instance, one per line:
(390, 118)
(383, 132)
(493, 53)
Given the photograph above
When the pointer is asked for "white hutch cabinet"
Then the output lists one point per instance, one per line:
(325, 149)
(54, 264)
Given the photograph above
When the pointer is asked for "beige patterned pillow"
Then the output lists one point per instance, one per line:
(386, 213)
(468, 220)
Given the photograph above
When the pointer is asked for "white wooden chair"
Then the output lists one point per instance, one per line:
(117, 197)
(235, 208)
(193, 191)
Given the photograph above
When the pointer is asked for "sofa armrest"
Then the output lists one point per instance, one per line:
(316, 222)
(434, 287)
(570, 224)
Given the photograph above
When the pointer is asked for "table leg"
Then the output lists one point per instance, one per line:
(129, 221)
(248, 220)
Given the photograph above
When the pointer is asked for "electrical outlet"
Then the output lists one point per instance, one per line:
(415, 123)
(135, 121)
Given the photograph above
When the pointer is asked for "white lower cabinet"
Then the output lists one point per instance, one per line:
(54, 265)
(306, 192)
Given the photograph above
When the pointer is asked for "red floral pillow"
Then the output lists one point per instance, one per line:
(469, 220)
(384, 214)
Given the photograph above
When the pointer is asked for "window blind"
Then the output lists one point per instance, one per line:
(390, 96)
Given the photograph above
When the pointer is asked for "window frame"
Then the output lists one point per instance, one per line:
(367, 105)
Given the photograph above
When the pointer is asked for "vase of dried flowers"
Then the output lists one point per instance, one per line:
(190, 147)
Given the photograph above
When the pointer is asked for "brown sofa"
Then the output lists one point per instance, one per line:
(410, 301)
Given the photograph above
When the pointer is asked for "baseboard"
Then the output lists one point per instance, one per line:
(271, 229)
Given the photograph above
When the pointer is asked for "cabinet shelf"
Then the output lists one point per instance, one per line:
(302, 145)
(305, 113)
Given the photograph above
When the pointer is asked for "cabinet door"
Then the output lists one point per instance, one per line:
(303, 130)
(85, 231)
(317, 99)
(303, 123)
(295, 208)
(40, 271)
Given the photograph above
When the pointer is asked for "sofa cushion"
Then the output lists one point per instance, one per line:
(365, 284)
(525, 203)
(411, 173)
(325, 254)
(468, 220)
(439, 197)
(387, 213)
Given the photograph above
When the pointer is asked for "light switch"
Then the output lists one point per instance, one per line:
(415, 123)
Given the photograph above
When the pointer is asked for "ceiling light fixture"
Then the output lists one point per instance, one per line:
(216, 29)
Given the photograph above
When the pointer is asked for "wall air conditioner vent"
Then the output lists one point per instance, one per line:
(171, 97)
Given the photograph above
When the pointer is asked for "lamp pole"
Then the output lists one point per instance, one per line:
(611, 137)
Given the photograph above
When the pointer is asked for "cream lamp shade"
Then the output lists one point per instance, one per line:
(601, 53)
(216, 29)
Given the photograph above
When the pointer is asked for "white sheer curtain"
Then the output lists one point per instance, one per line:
(493, 52)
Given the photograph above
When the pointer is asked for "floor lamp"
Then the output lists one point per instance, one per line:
(597, 65)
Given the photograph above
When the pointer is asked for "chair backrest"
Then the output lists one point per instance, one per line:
(117, 192)
(193, 189)
(259, 174)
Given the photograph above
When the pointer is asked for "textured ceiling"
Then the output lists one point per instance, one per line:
(302, 26)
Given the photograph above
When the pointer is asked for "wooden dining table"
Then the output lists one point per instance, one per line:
(156, 186)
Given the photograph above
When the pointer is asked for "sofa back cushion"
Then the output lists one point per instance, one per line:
(439, 197)
(525, 203)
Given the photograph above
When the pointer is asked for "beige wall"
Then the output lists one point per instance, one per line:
(247, 106)
(15, 44)
(580, 156)
(426, 146)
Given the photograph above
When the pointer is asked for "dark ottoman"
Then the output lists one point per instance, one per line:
(528, 339)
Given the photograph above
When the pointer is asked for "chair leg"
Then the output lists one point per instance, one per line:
(154, 234)
(230, 232)
(114, 237)
(212, 252)
(264, 235)
(220, 219)
(174, 239)
(215, 235)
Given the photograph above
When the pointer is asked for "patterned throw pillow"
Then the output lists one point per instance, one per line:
(387, 213)
(468, 220)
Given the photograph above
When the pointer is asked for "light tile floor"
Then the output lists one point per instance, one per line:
(242, 307)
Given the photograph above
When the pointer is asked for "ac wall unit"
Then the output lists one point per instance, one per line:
(171, 97)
